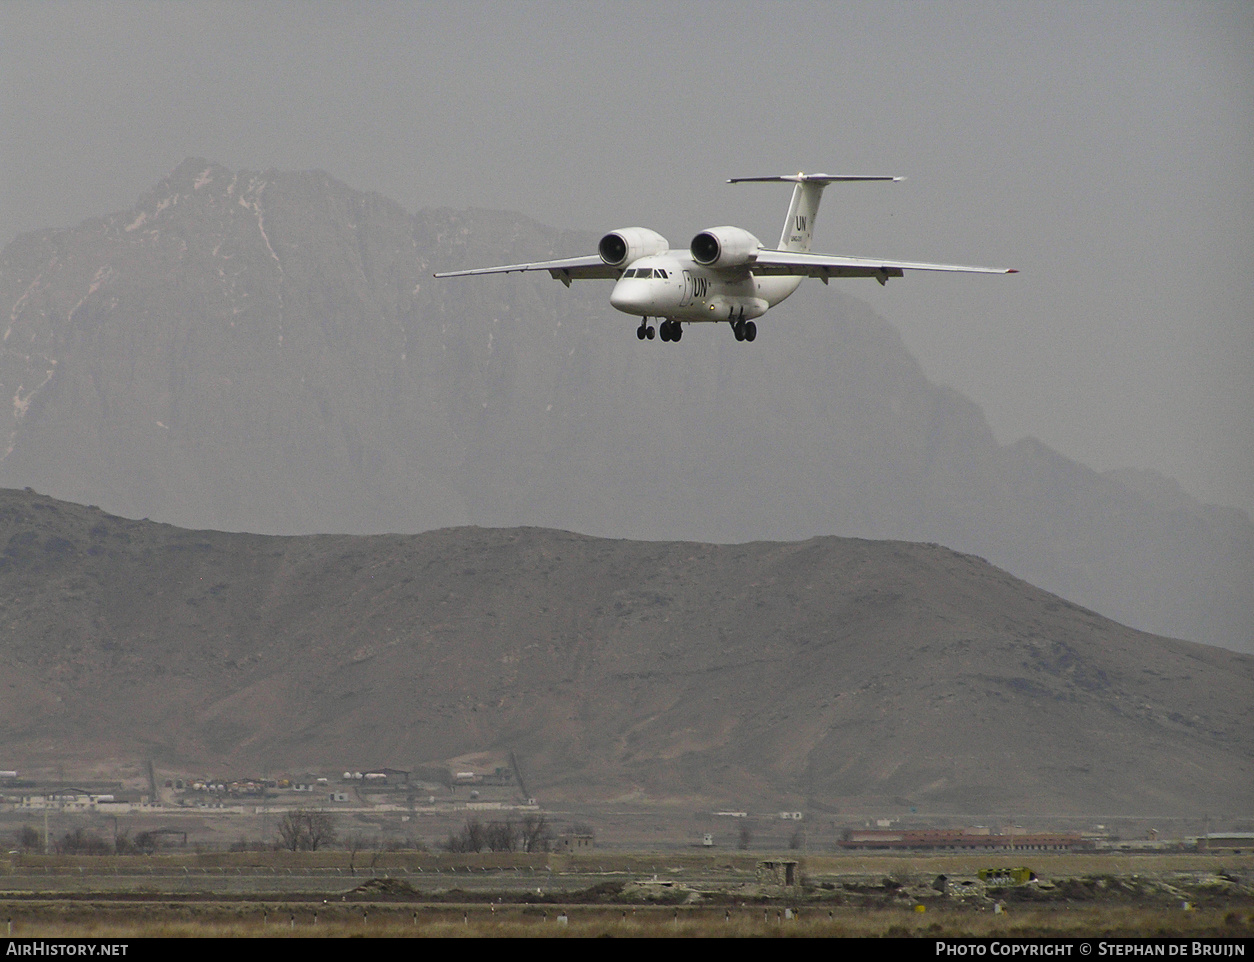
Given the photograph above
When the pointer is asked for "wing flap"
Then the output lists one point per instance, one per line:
(824, 266)
(589, 267)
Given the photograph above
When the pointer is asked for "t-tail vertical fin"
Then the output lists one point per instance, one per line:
(799, 225)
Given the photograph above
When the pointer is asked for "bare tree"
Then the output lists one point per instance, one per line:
(27, 839)
(501, 836)
(354, 844)
(535, 834)
(81, 842)
(475, 835)
(320, 829)
(532, 835)
(472, 838)
(290, 830)
(305, 830)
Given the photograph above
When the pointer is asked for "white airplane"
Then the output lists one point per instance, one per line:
(726, 274)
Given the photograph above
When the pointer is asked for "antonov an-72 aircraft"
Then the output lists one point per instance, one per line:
(725, 274)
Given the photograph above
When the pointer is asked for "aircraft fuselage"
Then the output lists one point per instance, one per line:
(676, 287)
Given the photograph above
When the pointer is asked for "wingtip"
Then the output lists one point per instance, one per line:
(1012, 270)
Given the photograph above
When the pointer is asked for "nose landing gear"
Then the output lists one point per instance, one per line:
(645, 329)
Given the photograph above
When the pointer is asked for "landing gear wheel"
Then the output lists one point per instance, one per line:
(738, 328)
(751, 331)
(664, 329)
(648, 332)
(640, 332)
(677, 330)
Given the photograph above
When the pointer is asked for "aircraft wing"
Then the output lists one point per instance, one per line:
(590, 267)
(823, 266)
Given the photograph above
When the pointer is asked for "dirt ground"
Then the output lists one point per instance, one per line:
(338, 893)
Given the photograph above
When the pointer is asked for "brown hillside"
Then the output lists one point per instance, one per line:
(830, 672)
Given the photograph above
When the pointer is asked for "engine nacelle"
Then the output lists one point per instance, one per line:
(621, 247)
(725, 247)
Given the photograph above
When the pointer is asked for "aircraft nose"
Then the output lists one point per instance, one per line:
(627, 298)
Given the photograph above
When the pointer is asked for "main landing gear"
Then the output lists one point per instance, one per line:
(674, 330)
(670, 330)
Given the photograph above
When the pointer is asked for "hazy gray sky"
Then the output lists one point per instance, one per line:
(1105, 149)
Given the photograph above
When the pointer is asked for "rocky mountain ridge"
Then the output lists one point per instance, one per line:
(268, 352)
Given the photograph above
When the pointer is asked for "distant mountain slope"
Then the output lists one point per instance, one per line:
(268, 352)
(834, 673)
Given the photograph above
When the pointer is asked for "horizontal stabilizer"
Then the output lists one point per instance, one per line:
(799, 224)
(812, 178)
